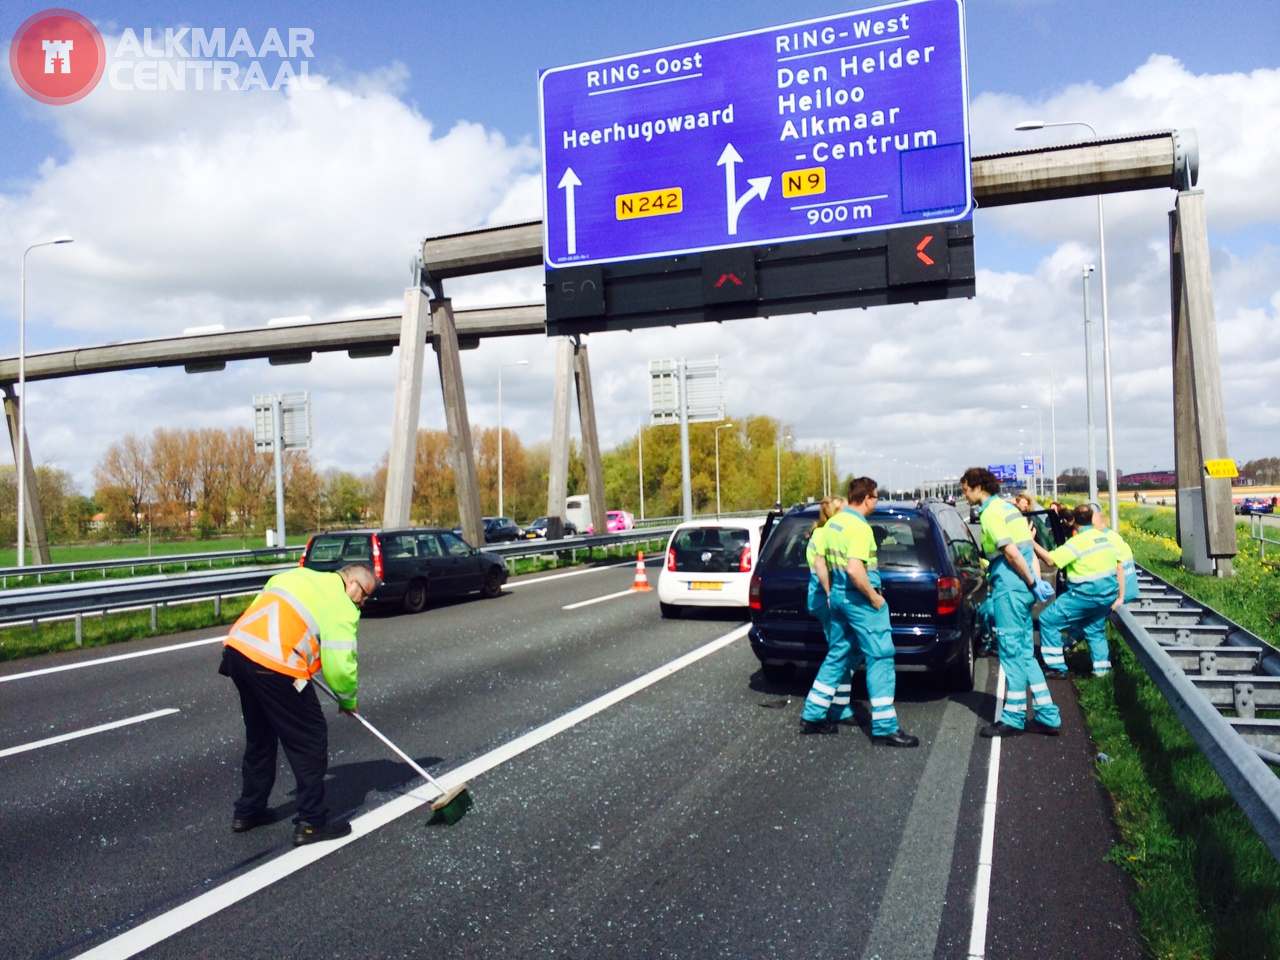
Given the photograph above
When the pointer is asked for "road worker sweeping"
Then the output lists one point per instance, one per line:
(303, 623)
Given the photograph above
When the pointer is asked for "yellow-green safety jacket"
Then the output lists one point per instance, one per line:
(1087, 556)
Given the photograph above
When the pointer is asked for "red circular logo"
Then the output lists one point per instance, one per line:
(57, 56)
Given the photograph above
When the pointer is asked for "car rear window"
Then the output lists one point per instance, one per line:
(901, 542)
(339, 547)
(710, 549)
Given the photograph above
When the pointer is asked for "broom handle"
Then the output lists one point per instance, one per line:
(378, 733)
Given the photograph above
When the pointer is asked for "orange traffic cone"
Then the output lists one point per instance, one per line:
(641, 583)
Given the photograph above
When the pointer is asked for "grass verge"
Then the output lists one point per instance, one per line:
(28, 641)
(1205, 885)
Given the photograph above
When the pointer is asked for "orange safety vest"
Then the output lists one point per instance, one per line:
(278, 633)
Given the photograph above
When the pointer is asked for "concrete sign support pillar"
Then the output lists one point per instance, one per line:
(590, 439)
(1206, 522)
(36, 533)
(463, 454)
(414, 324)
(558, 469)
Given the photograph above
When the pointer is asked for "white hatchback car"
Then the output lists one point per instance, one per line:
(709, 564)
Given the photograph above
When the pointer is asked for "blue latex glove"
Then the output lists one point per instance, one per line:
(1044, 590)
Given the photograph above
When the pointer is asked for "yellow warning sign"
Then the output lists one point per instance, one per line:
(1222, 469)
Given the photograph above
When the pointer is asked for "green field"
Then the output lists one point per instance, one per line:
(125, 549)
(1205, 885)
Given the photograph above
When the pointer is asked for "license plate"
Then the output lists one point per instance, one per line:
(706, 585)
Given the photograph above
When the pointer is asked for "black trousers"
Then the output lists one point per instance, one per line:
(275, 712)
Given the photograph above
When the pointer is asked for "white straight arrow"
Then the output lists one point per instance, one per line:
(568, 183)
(729, 159)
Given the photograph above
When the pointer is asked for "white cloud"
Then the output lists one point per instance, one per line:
(231, 208)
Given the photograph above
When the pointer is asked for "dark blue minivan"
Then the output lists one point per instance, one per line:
(931, 576)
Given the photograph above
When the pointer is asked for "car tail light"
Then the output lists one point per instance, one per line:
(753, 595)
(302, 560)
(377, 557)
(671, 560)
(948, 595)
(744, 561)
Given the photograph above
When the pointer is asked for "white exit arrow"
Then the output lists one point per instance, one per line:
(568, 183)
(729, 159)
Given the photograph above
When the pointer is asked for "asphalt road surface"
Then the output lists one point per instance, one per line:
(640, 791)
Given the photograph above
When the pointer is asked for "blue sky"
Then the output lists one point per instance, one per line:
(478, 61)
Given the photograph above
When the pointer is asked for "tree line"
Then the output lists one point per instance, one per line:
(185, 483)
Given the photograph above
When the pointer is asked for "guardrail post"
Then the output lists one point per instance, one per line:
(154, 614)
(217, 606)
(79, 629)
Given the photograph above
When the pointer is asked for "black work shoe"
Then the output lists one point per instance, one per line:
(898, 738)
(999, 729)
(821, 727)
(1043, 730)
(249, 821)
(305, 833)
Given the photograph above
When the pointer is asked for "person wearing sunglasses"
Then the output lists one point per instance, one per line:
(303, 623)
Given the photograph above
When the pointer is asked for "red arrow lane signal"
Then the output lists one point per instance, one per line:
(733, 278)
(921, 255)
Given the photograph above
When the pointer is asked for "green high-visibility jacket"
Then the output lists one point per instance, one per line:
(325, 597)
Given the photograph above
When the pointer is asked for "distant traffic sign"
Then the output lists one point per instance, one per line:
(1004, 472)
(845, 124)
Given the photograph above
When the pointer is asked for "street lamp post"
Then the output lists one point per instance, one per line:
(22, 394)
(1088, 386)
(778, 469)
(515, 363)
(723, 426)
(640, 466)
(1106, 325)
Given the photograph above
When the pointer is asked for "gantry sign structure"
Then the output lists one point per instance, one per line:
(811, 166)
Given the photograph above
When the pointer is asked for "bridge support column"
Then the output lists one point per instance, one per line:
(462, 451)
(414, 324)
(37, 535)
(1205, 518)
(558, 468)
(590, 439)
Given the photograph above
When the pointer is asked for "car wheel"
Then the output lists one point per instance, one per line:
(492, 584)
(776, 672)
(669, 611)
(415, 596)
(959, 676)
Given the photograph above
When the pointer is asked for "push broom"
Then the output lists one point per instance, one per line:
(449, 807)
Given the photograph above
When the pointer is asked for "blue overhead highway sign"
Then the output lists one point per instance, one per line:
(844, 124)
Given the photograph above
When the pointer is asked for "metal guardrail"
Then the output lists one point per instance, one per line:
(1262, 524)
(186, 559)
(62, 601)
(1206, 665)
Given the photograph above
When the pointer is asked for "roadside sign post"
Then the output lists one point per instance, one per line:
(685, 391)
(281, 422)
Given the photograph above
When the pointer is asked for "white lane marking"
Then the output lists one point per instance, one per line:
(571, 573)
(113, 659)
(607, 596)
(982, 886)
(101, 728)
(174, 921)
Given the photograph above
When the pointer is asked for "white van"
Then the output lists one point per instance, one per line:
(577, 511)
